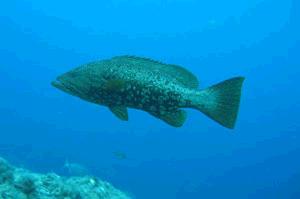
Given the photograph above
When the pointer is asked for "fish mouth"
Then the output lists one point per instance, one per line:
(60, 85)
(57, 84)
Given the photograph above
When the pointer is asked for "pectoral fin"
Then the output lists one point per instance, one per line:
(175, 118)
(115, 85)
(120, 111)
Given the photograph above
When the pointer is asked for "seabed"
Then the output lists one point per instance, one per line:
(19, 183)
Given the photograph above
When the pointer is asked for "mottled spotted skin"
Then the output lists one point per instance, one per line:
(159, 89)
(143, 88)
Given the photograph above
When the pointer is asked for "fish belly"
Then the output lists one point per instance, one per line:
(153, 101)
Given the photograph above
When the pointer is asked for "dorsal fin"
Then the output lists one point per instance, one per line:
(139, 59)
(179, 73)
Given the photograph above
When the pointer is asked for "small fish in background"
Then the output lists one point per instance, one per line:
(120, 155)
(160, 89)
(75, 169)
(212, 22)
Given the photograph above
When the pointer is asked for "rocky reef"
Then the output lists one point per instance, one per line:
(18, 183)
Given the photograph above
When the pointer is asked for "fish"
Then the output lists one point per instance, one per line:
(162, 90)
(75, 169)
(120, 155)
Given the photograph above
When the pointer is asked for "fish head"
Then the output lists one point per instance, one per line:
(90, 82)
(75, 82)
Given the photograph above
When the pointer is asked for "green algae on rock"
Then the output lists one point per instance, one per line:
(18, 183)
(160, 89)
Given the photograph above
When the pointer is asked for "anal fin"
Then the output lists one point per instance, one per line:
(120, 111)
(175, 118)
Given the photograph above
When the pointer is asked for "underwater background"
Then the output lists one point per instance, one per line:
(41, 127)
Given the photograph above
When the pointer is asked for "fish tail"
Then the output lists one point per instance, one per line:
(221, 102)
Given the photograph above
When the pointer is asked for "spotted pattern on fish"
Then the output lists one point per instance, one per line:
(157, 88)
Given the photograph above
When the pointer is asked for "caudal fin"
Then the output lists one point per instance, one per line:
(221, 102)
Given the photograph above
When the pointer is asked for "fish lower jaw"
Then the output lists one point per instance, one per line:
(59, 85)
(56, 84)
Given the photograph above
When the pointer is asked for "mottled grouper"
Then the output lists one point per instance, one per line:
(160, 89)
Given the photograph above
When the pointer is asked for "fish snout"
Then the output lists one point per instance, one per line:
(56, 84)
(59, 85)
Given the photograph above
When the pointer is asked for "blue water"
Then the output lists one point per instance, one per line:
(42, 127)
